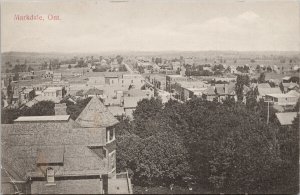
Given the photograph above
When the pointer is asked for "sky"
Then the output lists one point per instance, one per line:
(157, 25)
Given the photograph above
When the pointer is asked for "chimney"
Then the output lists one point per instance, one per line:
(60, 109)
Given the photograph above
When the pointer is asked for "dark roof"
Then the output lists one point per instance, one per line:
(22, 143)
(95, 114)
(50, 154)
(94, 91)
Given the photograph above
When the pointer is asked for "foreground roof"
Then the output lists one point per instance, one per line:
(25, 145)
(95, 114)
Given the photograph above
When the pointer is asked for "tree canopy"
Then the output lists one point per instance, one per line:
(227, 147)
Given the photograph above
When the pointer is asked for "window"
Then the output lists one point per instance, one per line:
(50, 175)
(112, 160)
(110, 135)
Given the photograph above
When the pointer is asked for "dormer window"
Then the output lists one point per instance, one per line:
(50, 175)
(110, 135)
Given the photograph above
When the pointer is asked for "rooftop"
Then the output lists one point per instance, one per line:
(286, 118)
(42, 118)
(280, 95)
(95, 114)
(131, 102)
(265, 91)
(52, 89)
(50, 154)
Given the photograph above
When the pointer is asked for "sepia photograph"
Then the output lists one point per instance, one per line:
(150, 96)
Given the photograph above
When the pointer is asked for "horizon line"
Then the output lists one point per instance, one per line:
(155, 51)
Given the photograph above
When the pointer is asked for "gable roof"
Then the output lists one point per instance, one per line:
(95, 114)
(286, 118)
(265, 91)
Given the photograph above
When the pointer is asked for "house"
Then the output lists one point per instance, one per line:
(172, 79)
(209, 94)
(26, 95)
(137, 92)
(57, 77)
(290, 86)
(286, 118)
(53, 92)
(164, 96)
(135, 80)
(188, 61)
(111, 80)
(290, 79)
(262, 92)
(116, 110)
(282, 99)
(294, 93)
(233, 69)
(224, 91)
(130, 104)
(48, 74)
(56, 155)
(192, 92)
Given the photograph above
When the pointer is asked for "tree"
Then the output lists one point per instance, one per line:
(16, 77)
(145, 111)
(155, 160)
(227, 147)
(272, 84)
(119, 59)
(281, 87)
(2, 99)
(262, 78)
(141, 69)
(75, 109)
(258, 69)
(32, 94)
(158, 60)
(8, 115)
(163, 159)
(42, 108)
(10, 92)
(241, 81)
(30, 69)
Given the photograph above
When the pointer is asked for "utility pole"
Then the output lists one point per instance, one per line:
(268, 116)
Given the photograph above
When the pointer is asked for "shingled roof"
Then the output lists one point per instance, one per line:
(95, 114)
